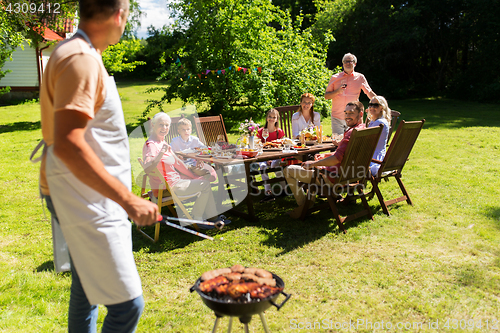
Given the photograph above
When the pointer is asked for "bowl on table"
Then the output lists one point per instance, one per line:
(249, 152)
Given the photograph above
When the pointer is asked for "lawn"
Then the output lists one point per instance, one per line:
(433, 265)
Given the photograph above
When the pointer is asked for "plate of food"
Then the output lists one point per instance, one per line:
(248, 152)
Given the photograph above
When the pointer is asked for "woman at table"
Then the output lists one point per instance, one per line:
(379, 113)
(274, 132)
(305, 115)
(182, 181)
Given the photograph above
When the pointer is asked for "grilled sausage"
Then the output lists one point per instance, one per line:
(235, 277)
(214, 273)
(259, 272)
(238, 269)
(249, 277)
(263, 273)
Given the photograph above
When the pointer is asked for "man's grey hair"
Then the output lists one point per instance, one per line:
(352, 55)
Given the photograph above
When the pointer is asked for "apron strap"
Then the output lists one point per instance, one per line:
(37, 148)
(36, 160)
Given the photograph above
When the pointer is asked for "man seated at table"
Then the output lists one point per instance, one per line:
(353, 115)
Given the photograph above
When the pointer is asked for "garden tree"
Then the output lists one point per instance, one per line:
(121, 57)
(133, 20)
(153, 53)
(416, 48)
(297, 8)
(24, 21)
(232, 61)
(10, 38)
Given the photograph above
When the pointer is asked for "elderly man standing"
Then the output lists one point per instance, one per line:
(345, 87)
(353, 115)
(87, 169)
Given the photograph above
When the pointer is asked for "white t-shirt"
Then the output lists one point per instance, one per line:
(299, 123)
(178, 144)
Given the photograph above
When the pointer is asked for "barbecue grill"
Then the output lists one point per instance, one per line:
(244, 307)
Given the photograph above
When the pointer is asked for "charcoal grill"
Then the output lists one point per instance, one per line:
(244, 307)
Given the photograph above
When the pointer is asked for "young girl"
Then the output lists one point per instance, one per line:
(305, 115)
(379, 113)
(272, 125)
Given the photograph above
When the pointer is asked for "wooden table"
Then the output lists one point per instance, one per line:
(251, 184)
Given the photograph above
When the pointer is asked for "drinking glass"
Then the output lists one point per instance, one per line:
(287, 147)
(344, 85)
(265, 134)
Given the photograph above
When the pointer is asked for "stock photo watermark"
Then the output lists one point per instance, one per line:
(367, 324)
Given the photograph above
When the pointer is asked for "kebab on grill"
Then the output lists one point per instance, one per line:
(238, 281)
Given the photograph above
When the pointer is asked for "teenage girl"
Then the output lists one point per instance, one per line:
(272, 125)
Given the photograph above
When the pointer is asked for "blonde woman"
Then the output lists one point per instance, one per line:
(379, 113)
(305, 115)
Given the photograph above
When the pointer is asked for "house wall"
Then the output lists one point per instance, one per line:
(23, 68)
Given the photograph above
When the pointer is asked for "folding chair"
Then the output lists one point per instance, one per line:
(352, 175)
(394, 121)
(395, 160)
(209, 128)
(166, 198)
(286, 113)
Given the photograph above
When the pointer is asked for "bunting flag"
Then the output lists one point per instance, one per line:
(218, 72)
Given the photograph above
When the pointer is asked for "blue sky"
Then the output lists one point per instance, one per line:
(157, 15)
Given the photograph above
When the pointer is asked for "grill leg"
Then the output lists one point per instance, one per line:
(216, 324)
(230, 325)
(264, 322)
(245, 320)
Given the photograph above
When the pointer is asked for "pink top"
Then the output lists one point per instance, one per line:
(272, 135)
(355, 82)
(169, 166)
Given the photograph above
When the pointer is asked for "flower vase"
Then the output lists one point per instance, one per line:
(251, 142)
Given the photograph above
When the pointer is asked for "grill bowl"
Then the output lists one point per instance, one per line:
(235, 308)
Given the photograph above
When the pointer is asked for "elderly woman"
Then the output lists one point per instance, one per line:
(305, 115)
(379, 113)
(182, 181)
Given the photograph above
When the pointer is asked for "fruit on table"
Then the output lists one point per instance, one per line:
(226, 145)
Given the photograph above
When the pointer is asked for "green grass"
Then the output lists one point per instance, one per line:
(437, 260)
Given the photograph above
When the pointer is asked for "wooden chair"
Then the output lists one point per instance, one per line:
(395, 160)
(166, 198)
(352, 175)
(209, 128)
(286, 113)
(394, 121)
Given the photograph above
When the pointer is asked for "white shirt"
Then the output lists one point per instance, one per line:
(299, 123)
(192, 142)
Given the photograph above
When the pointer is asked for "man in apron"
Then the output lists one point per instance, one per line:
(87, 169)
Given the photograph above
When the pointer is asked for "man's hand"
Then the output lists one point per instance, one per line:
(308, 165)
(141, 211)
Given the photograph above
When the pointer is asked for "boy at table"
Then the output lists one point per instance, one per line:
(353, 115)
(185, 140)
